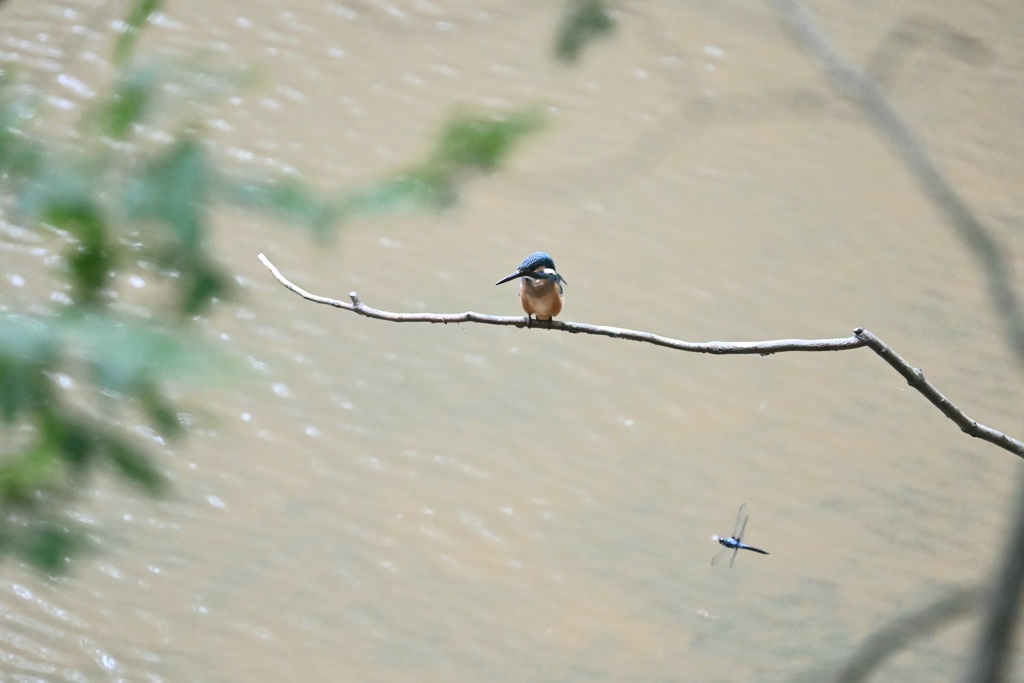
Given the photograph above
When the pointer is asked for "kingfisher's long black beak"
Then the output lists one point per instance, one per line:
(510, 276)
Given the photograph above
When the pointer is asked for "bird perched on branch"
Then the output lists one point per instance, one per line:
(540, 290)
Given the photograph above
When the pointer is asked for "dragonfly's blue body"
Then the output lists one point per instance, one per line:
(735, 542)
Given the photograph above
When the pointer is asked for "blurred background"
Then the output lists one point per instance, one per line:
(366, 501)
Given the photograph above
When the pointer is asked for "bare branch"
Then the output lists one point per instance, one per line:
(861, 337)
(915, 378)
(763, 348)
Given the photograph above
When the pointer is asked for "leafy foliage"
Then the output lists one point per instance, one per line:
(61, 441)
(110, 208)
(470, 143)
(115, 201)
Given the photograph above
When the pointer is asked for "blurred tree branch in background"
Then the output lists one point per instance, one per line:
(904, 630)
(994, 643)
(855, 83)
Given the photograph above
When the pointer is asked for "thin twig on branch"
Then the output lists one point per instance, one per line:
(861, 337)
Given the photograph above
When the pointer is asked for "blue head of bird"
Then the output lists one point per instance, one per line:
(540, 289)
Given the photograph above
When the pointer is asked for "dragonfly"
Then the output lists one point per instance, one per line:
(735, 542)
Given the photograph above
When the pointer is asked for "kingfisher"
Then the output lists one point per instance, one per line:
(540, 290)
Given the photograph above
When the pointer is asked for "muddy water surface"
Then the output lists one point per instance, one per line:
(379, 502)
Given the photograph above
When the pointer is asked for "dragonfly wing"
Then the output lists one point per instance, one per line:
(743, 527)
(741, 521)
(718, 556)
(732, 559)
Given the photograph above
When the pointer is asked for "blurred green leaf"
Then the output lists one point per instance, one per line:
(481, 141)
(90, 261)
(136, 467)
(23, 387)
(60, 191)
(75, 442)
(161, 413)
(128, 102)
(288, 197)
(147, 92)
(48, 548)
(26, 340)
(403, 190)
(173, 189)
(65, 447)
(125, 355)
(128, 355)
(134, 22)
(90, 269)
(64, 194)
(26, 351)
(23, 474)
(584, 22)
(469, 143)
(202, 283)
